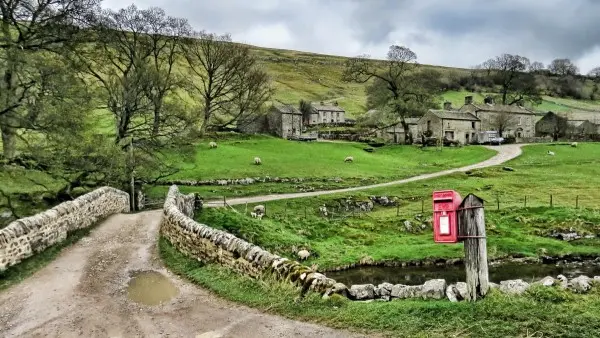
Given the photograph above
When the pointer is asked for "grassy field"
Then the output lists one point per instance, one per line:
(282, 158)
(540, 312)
(572, 176)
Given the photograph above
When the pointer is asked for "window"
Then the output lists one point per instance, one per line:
(448, 124)
(520, 120)
(428, 125)
(473, 124)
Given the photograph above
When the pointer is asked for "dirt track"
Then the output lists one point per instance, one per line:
(505, 153)
(82, 293)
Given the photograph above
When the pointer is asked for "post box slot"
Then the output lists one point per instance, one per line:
(444, 225)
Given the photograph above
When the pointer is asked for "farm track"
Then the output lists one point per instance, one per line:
(83, 293)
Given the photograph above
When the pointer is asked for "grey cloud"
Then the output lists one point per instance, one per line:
(539, 29)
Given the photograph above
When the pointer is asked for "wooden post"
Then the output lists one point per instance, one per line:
(224, 201)
(498, 201)
(471, 229)
(398, 209)
(304, 212)
(551, 203)
(422, 206)
(577, 202)
(525, 201)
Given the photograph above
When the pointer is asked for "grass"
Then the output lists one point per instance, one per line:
(572, 175)
(541, 312)
(282, 158)
(16, 273)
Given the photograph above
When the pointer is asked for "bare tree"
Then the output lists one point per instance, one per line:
(306, 109)
(502, 121)
(509, 72)
(225, 72)
(563, 67)
(132, 62)
(395, 86)
(536, 67)
(29, 32)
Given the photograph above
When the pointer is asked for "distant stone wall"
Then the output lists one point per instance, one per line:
(209, 245)
(27, 236)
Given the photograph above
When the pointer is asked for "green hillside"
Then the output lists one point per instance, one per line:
(316, 77)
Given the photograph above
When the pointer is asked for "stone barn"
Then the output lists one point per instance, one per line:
(450, 124)
(281, 120)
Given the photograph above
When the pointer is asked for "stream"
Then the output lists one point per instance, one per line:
(415, 275)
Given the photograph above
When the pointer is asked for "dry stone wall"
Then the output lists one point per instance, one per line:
(210, 245)
(27, 236)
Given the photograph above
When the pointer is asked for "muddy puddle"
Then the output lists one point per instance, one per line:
(150, 288)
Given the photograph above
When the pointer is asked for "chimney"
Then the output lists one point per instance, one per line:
(447, 105)
(335, 103)
(468, 99)
(489, 100)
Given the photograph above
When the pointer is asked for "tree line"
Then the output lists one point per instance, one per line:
(69, 65)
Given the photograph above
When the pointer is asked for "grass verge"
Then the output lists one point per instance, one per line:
(541, 312)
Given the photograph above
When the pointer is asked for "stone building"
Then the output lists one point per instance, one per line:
(327, 114)
(281, 120)
(514, 120)
(581, 129)
(395, 133)
(450, 124)
(551, 124)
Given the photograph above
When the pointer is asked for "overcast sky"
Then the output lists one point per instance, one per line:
(459, 33)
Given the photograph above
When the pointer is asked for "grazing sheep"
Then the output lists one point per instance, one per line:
(259, 216)
(212, 145)
(551, 153)
(323, 210)
(303, 254)
(253, 214)
(574, 144)
(259, 209)
(349, 159)
(257, 161)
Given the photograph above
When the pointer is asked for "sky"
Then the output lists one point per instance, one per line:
(455, 33)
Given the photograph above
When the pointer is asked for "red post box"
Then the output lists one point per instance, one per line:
(445, 207)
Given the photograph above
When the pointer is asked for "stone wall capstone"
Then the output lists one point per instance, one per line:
(27, 236)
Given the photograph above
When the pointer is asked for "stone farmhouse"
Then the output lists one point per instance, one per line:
(515, 120)
(326, 114)
(281, 120)
(450, 124)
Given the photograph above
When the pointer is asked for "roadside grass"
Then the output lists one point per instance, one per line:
(540, 312)
(31, 265)
(283, 158)
(382, 235)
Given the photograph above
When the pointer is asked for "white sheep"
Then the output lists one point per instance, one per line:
(303, 254)
(257, 161)
(259, 209)
(349, 159)
(551, 153)
(323, 210)
(253, 214)
(212, 144)
(574, 144)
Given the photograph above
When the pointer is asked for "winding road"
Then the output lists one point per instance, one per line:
(83, 293)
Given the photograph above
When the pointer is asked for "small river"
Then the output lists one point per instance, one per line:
(416, 275)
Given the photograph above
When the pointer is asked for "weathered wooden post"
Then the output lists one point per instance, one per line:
(224, 201)
(551, 203)
(577, 202)
(471, 229)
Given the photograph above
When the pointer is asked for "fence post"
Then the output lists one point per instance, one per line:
(422, 206)
(398, 209)
(471, 229)
(304, 212)
(577, 202)
(224, 201)
(551, 202)
(525, 201)
(498, 201)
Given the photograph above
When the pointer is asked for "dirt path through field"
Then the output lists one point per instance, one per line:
(83, 293)
(505, 153)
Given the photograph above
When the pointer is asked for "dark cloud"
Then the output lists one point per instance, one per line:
(453, 33)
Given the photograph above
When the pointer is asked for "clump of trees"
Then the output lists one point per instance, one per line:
(68, 66)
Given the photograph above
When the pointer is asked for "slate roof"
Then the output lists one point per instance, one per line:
(502, 108)
(327, 107)
(453, 115)
(287, 109)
